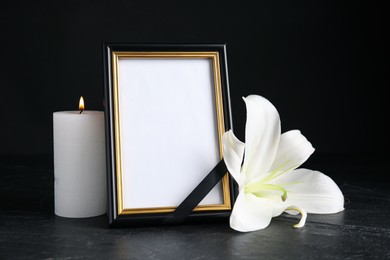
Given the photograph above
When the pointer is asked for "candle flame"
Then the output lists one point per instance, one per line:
(81, 103)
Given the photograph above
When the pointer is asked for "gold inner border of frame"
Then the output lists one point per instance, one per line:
(214, 56)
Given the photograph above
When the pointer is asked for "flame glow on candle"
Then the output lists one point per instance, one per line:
(81, 104)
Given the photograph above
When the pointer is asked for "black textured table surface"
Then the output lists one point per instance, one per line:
(30, 230)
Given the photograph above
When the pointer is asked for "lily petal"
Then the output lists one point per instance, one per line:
(233, 153)
(262, 135)
(250, 213)
(294, 149)
(313, 191)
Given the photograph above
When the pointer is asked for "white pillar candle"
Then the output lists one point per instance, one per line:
(79, 164)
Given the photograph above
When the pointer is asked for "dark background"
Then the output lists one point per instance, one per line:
(323, 64)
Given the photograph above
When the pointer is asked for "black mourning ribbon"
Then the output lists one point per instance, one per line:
(196, 196)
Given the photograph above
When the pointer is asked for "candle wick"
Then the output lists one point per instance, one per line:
(81, 111)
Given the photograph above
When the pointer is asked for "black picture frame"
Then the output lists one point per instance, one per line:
(129, 71)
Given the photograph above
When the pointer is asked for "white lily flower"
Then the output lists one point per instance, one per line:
(268, 179)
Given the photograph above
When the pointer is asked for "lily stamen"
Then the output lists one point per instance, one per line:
(256, 188)
(303, 213)
(277, 172)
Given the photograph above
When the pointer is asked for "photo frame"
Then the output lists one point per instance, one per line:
(167, 107)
